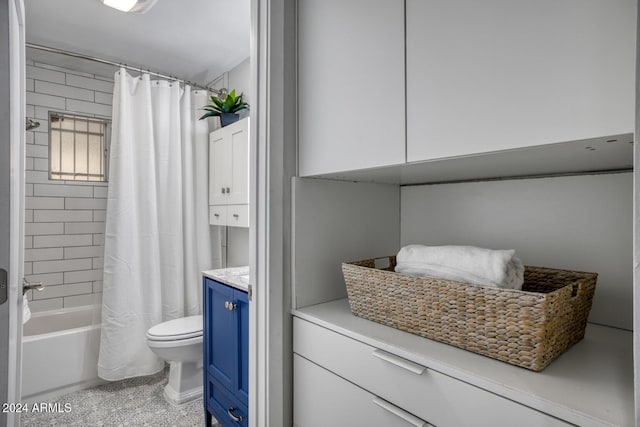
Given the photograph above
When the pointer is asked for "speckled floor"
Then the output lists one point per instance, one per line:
(132, 402)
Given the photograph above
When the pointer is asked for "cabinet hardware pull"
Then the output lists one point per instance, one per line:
(228, 190)
(401, 413)
(223, 190)
(216, 215)
(226, 305)
(233, 416)
(236, 215)
(399, 361)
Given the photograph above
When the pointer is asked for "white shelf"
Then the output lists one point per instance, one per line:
(611, 153)
(589, 385)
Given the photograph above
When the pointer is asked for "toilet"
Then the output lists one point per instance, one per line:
(179, 342)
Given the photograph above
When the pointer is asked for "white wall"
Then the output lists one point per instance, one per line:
(64, 230)
(576, 222)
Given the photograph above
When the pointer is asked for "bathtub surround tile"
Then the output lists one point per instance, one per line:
(56, 291)
(100, 216)
(41, 164)
(64, 266)
(83, 252)
(41, 138)
(46, 279)
(98, 239)
(35, 229)
(131, 402)
(83, 227)
(43, 100)
(66, 216)
(39, 151)
(89, 83)
(98, 262)
(104, 98)
(62, 241)
(38, 73)
(37, 176)
(100, 192)
(51, 204)
(97, 286)
(86, 107)
(45, 304)
(64, 91)
(83, 275)
(85, 203)
(43, 254)
(80, 300)
(59, 190)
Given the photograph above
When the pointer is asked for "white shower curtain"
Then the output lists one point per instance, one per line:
(157, 236)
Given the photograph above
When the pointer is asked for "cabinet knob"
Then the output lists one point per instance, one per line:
(223, 190)
(236, 215)
(230, 306)
(233, 416)
(216, 215)
(228, 190)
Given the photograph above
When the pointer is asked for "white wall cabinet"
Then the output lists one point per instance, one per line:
(229, 175)
(504, 74)
(350, 85)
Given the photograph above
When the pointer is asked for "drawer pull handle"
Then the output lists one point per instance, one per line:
(236, 216)
(235, 418)
(216, 215)
(399, 361)
(411, 419)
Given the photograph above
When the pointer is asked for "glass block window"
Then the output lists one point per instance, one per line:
(78, 147)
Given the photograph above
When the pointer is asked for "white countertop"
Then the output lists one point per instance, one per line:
(591, 384)
(237, 277)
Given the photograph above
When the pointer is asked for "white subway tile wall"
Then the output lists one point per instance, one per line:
(64, 230)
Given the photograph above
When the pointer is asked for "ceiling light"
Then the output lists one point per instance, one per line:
(134, 6)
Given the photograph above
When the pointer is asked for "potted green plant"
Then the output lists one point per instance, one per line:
(225, 106)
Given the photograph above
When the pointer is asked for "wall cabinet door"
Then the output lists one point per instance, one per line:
(350, 84)
(502, 74)
(229, 164)
(226, 350)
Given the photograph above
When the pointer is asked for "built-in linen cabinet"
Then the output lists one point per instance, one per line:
(229, 175)
(502, 74)
(517, 134)
(350, 85)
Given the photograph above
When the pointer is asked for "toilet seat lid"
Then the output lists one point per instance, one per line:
(177, 329)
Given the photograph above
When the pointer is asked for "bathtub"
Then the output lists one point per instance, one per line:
(60, 352)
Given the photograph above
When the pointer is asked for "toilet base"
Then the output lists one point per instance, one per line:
(185, 382)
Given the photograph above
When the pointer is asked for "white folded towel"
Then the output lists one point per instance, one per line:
(478, 266)
(26, 311)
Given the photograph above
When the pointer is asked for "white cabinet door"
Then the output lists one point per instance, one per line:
(503, 74)
(350, 85)
(229, 164)
(323, 399)
(238, 138)
(219, 165)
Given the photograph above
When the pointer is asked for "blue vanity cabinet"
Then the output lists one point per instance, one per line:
(226, 354)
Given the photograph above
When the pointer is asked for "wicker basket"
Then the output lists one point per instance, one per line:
(527, 328)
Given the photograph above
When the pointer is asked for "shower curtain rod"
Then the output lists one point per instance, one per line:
(219, 92)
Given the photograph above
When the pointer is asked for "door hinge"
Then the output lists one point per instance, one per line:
(4, 284)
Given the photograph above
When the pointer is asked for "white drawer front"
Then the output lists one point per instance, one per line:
(323, 399)
(430, 395)
(218, 215)
(238, 215)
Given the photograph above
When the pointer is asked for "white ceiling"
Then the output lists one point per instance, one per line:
(195, 40)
